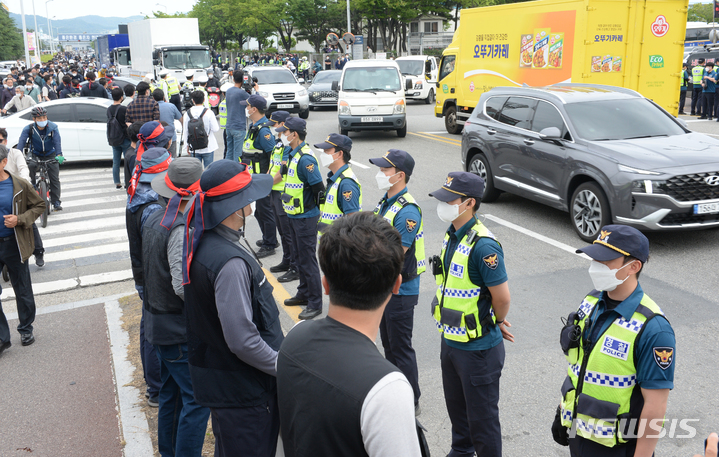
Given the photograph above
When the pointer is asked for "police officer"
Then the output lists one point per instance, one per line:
(171, 86)
(189, 80)
(469, 308)
(222, 108)
(304, 68)
(683, 81)
(621, 335)
(401, 210)
(344, 192)
(709, 81)
(257, 154)
(697, 101)
(280, 157)
(301, 198)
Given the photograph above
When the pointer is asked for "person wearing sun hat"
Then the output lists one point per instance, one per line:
(181, 422)
(142, 202)
(233, 325)
(618, 334)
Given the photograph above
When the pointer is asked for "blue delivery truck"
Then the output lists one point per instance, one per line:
(113, 49)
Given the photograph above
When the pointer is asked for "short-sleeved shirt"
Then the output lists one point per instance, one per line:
(308, 171)
(348, 192)
(168, 113)
(658, 335)
(711, 86)
(5, 206)
(408, 213)
(481, 274)
(236, 117)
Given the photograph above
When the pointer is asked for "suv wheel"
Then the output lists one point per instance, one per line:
(430, 97)
(589, 210)
(450, 120)
(480, 167)
(305, 114)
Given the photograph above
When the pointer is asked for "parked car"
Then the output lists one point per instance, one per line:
(320, 91)
(281, 89)
(423, 72)
(604, 154)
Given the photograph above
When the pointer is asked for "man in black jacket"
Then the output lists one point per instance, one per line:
(92, 89)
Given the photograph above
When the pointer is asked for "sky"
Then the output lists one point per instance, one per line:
(68, 9)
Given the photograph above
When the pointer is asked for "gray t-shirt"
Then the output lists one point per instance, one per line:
(236, 117)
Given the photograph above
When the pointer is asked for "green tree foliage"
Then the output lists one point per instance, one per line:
(316, 18)
(701, 12)
(273, 16)
(11, 45)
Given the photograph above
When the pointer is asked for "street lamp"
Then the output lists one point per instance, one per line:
(158, 4)
(37, 34)
(52, 49)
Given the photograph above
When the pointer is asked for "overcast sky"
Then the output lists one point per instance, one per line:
(67, 9)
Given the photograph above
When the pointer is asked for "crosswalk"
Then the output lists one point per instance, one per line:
(85, 243)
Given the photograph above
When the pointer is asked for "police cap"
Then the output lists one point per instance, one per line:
(615, 241)
(460, 184)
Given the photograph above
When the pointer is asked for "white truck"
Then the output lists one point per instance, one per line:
(422, 70)
(172, 44)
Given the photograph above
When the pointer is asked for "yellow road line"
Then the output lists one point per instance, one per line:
(442, 137)
(435, 139)
(281, 295)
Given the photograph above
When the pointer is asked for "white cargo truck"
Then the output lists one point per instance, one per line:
(172, 44)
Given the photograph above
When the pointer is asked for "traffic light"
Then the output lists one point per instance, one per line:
(716, 9)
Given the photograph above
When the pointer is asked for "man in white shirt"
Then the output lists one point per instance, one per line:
(206, 155)
(20, 101)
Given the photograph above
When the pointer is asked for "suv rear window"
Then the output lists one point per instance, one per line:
(493, 106)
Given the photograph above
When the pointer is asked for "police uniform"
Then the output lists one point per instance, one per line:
(222, 108)
(257, 154)
(403, 212)
(683, 78)
(344, 192)
(171, 88)
(697, 100)
(618, 349)
(472, 349)
(303, 186)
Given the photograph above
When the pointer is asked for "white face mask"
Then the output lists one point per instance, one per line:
(383, 180)
(326, 160)
(605, 278)
(285, 141)
(274, 131)
(447, 212)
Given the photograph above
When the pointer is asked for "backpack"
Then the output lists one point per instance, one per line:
(196, 134)
(115, 133)
(51, 94)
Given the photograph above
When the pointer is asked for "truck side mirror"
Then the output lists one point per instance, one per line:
(155, 61)
(408, 84)
(336, 86)
(156, 54)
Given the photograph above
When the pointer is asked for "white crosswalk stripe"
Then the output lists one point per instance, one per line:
(85, 243)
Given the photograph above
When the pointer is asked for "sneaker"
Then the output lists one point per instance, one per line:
(154, 401)
(265, 252)
(290, 276)
(119, 186)
(56, 206)
(40, 260)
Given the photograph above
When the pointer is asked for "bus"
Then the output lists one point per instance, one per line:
(698, 34)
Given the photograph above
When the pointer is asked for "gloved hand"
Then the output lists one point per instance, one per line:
(60, 158)
(559, 432)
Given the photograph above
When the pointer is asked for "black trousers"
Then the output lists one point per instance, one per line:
(304, 249)
(708, 104)
(266, 218)
(396, 332)
(224, 140)
(53, 170)
(471, 391)
(246, 432)
(283, 226)
(39, 249)
(580, 447)
(697, 100)
(682, 100)
(22, 284)
(177, 101)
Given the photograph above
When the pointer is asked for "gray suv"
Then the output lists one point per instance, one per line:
(604, 154)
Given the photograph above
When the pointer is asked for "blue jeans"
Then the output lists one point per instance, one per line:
(117, 153)
(235, 138)
(181, 423)
(205, 159)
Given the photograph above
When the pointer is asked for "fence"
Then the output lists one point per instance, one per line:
(424, 43)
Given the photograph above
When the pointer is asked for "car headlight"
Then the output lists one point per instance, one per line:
(399, 107)
(302, 93)
(649, 186)
(637, 171)
(344, 107)
(264, 94)
(418, 85)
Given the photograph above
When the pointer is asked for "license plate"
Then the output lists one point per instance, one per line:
(327, 99)
(706, 208)
(372, 119)
(285, 105)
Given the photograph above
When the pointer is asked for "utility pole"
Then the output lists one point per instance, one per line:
(37, 32)
(48, 27)
(24, 34)
(349, 24)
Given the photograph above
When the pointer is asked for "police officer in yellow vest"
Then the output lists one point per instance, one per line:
(280, 159)
(401, 210)
(621, 350)
(697, 100)
(469, 309)
(257, 154)
(171, 87)
(344, 193)
(304, 189)
(683, 82)
(222, 109)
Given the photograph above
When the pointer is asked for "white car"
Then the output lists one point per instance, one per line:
(422, 70)
(82, 122)
(281, 89)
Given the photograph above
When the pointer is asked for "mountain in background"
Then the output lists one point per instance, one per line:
(83, 24)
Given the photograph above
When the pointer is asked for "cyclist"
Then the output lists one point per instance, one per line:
(43, 137)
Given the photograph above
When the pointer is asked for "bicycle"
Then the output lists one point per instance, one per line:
(43, 187)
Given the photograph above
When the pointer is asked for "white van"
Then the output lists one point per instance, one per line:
(422, 70)
(371, 97)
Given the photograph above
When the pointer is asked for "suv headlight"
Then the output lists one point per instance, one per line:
(648, 186)
(264, 95)
(344, 108)
(302, 93)
(418, 85)
(637, 171)
(398, 107)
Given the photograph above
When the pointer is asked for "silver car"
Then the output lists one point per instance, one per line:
(604, 154)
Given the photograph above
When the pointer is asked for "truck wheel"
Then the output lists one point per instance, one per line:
(403, 131)
(589, 210)
(450, 120)
(305, 114)
(479, 165)
(430, 97)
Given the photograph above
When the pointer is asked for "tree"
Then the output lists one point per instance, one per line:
(11, 45)
(315, 18)
(701, 12)
(274, 15)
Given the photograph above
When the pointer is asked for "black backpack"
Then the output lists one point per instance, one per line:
(51, 94)
(196, 134)
(115, 132)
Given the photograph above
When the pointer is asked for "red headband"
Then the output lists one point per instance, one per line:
(159, 168)
(173, 206)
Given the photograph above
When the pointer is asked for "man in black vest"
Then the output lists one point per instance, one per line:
(181, 422)
(366, 405)
(142, 201)
(233, 327)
